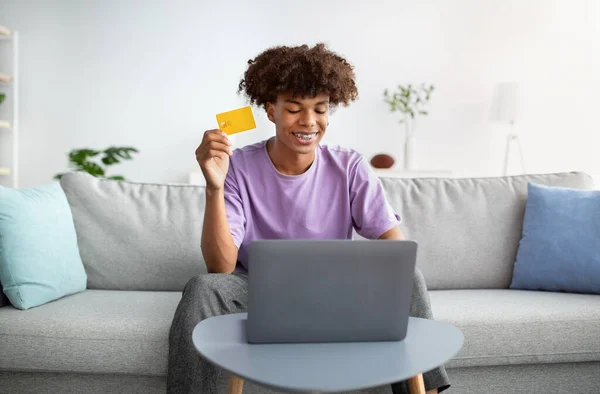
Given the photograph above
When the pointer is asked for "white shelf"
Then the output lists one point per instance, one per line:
(5, 31)
(401, 173)
(10, 85)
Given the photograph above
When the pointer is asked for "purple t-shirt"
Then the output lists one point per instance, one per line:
(337, 193)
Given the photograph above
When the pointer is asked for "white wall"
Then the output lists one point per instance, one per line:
(152, 74)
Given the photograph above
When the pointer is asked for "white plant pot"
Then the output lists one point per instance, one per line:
(409, 157)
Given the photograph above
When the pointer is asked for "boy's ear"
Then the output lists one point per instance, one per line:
(270, 108)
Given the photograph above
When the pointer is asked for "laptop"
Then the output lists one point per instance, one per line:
(303, 291)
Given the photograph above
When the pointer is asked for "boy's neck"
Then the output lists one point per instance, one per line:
(286, 161)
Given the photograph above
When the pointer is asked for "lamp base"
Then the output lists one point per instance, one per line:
(510, 140)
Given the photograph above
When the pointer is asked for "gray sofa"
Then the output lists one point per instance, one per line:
(140, 245)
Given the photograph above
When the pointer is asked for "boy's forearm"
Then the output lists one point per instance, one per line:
(220, 253)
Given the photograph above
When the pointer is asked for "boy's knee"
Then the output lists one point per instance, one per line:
(203, 284)
(419, 281)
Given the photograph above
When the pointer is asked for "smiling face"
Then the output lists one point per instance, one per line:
(300, 123)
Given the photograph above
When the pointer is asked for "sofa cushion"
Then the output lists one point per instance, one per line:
(136, 236)
(559, 248)
(503, 327)
(101, 331)
(39, 257)
(468, 229)
(97, 331)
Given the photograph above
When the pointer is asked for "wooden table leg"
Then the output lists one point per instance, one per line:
(236, 384)
(416, 385)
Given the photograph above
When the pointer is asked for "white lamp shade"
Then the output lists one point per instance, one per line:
(506, 102)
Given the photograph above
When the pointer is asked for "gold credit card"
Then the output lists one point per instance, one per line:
(236, 121)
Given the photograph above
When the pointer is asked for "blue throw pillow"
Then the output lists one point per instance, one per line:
(560, 246)
(39, 257)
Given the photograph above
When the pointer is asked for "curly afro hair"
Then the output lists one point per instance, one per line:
(302, 71)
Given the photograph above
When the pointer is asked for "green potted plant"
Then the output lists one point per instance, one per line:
(3, 123)
(81, 160)
(411, 102)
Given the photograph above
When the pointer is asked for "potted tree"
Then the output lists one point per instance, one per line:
(411, 102)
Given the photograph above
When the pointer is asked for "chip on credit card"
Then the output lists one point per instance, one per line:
(236, 121)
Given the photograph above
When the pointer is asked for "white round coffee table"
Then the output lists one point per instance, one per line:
(326, 367)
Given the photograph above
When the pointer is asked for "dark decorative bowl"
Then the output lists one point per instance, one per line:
(382, 161)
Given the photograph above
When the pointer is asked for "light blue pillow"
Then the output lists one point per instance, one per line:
(39, 257)
(560, 245)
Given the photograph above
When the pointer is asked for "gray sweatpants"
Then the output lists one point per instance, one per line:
(219, 294)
